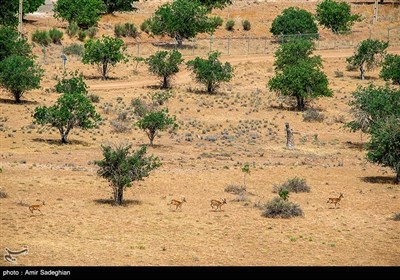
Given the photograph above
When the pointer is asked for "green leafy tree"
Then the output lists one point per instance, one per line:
(74, 84)
(384, 145)
(121, 168)
(369, 55)
(9, 10)
(298, 74)
(182, 19)
(336, 16)
(211, 71)
(245, 171)
(294, 21)
(215, 4)
(105, 53)
(31, 6)
(372, 104)
(18, 74)
(164, 64)
(156, 121)
(119, 6)
(71, 110)
(85, 13)
(11, 45)
(391, 69)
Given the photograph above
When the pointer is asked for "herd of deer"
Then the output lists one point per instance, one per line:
(213, 203)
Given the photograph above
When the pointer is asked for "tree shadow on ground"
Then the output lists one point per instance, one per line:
(379, 179)
(125, 202)
(22, 102)
(58, 142)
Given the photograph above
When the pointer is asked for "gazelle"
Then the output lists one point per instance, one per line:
(36, 207)
(177, 203)
(335, 200)
(217, 203)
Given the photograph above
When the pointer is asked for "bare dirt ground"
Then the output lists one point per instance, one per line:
(78, 227)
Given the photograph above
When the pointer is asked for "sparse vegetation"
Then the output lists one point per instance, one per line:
(3, 194)
(235, 189)
(313, 115)
(293, 185)
(280, 208)
(56, 36)
(246, 25)
(126, 30)
(74, 49)
(41, 37)
(230, 24)
(396, 216)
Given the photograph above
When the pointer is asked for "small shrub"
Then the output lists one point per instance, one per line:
(246, 25)
(140, 107)
(396, 217)
(292, 185)
(313, 115)
(159, 98)
(120, 126)
(75, 49)
(235, 189)
(94, 98)
(241, 197)
(3, 194)
(131, 30)
(91, 32)
(56, 36)
(284, 194)
(82, 35)
(230, 24)
(72, 29)
(279, 208)
(351, 67)
(41, 37)
(145, 26)
(119, 30)
(338, 73)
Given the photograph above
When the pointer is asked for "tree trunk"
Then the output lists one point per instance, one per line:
(289, 137)
(152, 135)
(179, 40)
(104, 71)
(17, 96)
(165, 82)
(300, 103)
(118, 195)
(362, 72)
(209, 88)
(64, 138)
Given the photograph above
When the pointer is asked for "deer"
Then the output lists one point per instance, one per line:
(177, 203)
(217, 203)
(36, 207)
(335, 200)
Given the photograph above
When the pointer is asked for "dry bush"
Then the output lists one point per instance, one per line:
(279, 208)
(293, 185)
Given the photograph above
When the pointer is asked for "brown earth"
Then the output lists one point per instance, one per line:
(79, 227)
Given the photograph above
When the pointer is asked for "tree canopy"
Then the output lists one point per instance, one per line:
(85, 13)
(182, 19)
(391, 69)
(336, 16)
(211, 71)
(11, 44)
(164, 64)
(119, 5)
(294, 21)
(298, 74)
(105, 53)
(369, 55)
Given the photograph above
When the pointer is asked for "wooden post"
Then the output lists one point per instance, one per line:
(289, 137)
(20, 19)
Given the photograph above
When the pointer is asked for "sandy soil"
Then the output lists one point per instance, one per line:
(78, 226)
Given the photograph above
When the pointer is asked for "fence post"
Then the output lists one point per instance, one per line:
(248, 45)
(211, 42)
(265, 44)
(193, 45)
(388, 35)
(138, 49)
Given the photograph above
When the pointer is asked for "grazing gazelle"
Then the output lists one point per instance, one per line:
(335, 200)
(217, 203)
(36, 207)
(177, 203)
